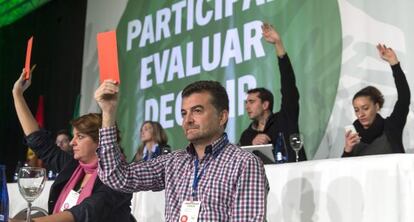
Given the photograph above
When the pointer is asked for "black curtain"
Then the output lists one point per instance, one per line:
(58, 28)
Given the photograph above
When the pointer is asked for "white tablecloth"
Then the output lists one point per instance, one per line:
(17, 202)
(361, 189)
(374, 189)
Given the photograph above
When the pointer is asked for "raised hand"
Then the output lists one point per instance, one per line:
(270, 34)
(26, 118)
(21, 84)
(387, 54)
(107, 97)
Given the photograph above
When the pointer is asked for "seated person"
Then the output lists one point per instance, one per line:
(63, 140)
(78, 172)
(376, 135)
(32, 160)
(266, 125)
(153, 141)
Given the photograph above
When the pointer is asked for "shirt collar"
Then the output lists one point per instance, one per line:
(214, 148)
(153, 148)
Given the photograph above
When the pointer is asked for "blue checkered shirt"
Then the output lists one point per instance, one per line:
(233, 186)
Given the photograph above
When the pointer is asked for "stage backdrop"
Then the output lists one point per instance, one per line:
(165, 45)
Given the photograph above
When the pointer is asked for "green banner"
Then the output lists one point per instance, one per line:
(165, 45)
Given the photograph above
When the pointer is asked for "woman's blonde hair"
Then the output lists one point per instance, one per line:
(158, 135)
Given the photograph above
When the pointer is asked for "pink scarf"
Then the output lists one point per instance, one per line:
(77, 176)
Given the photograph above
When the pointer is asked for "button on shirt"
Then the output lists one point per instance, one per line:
(233, 186)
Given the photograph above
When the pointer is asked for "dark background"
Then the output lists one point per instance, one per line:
(58, 28)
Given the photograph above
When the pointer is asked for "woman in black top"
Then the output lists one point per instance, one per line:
(91, 200)
(376, 135)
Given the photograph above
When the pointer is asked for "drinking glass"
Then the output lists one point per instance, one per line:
(31, 183)
(296, 142)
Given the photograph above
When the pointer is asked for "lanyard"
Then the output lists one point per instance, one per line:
(196, 166)
(197, 177)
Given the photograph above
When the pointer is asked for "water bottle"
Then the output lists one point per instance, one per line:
(280, 151)
(279, 158)
(285, 151)
(4, 196)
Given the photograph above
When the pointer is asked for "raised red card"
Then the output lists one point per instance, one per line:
(108, 56)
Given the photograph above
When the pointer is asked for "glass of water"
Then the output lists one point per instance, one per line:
(31, 183)
(296, 142)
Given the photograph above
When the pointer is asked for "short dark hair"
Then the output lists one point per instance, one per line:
(373, 93)
(220, 99)
(63, 132)
(264, 95)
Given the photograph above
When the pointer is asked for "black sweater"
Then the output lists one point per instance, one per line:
(286, 120)
(394, 124)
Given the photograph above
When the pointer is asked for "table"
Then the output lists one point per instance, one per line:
(372, 188)
(148, 206)
(18, 203)
(360, 189)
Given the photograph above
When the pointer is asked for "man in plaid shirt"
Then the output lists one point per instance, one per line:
(210, 180)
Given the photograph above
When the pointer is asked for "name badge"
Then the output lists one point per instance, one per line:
(70, 201)
(189, 211)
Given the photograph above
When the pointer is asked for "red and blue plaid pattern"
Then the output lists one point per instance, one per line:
(233, 186)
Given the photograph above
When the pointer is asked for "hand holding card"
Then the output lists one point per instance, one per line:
(28, 57)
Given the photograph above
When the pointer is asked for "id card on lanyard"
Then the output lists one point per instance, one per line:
(191, 208)
(189, 211)
(70, 200)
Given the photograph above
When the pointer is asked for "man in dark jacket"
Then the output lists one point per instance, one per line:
(266, 125)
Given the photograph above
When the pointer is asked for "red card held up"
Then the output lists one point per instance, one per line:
(107, 56)
(28, 56)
